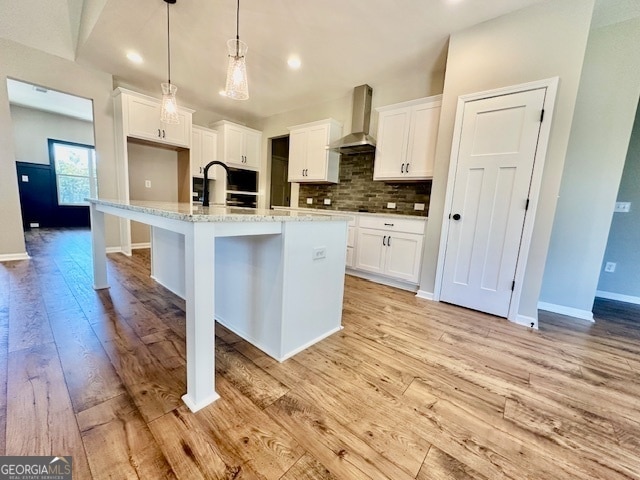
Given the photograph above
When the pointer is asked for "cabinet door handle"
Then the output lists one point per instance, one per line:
(402, 168)
(159, 133)
(388, 224)
(406, 170)
(163, 134)
(384, 239)
(389, 241)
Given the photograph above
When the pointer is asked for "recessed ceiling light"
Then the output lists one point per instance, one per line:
(294, 63)
(134, 57)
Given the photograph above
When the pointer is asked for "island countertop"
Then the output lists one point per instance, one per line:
(215, 213)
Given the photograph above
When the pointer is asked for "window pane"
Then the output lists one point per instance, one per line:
(71, 160)
(73, 190)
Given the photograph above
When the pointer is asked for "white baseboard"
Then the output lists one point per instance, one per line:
(618, 296)
(11, 257)
(424, 294)
(114, 250)
(390, 282)
(139, 246)
(526, 321)
(569, 311)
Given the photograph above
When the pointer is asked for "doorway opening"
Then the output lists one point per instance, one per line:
(55, 157)
(280, 186)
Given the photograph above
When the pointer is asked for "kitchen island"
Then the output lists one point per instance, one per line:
(274, 278)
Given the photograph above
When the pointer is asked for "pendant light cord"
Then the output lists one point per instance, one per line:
(169, 46)
(238, 30)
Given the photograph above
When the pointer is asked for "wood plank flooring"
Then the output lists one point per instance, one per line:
(410, 389)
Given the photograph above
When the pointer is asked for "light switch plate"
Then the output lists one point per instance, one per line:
(25, 178)
(418, 206)
(309, 201)
(147, 183)
(327, 201)
(391, 205)
(622, 207)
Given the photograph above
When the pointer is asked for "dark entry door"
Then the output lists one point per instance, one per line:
(37, 197)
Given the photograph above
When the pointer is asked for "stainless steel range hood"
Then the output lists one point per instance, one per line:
(359, 140)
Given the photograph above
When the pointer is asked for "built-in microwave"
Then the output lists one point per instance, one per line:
(241, 191)
(242, 188)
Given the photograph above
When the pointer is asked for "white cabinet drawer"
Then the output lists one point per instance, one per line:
(393, 224)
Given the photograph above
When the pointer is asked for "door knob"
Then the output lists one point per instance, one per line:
(456, 216)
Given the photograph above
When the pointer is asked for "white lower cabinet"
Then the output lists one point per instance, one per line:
(390, 246)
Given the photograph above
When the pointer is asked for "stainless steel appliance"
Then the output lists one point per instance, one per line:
(242, 188)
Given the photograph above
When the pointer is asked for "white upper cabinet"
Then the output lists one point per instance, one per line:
(141, 119)
(238, 146)
(310, 159)
(204, 148)
(407, 134)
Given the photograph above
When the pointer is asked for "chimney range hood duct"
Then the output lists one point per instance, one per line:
(359, 140)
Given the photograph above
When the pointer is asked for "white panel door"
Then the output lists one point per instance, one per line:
(494, 167)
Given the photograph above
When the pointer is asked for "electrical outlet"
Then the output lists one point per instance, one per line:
(327, 201)
(34, 225)
(309, 201)
(147, 183)
(319, 253)
(418, 206)
(391, 205)
(25, 178)
(610, 267)
(622, 207)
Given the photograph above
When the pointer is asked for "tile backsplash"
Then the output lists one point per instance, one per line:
(357, 191)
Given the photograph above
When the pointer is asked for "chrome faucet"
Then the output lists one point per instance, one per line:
(205, 187)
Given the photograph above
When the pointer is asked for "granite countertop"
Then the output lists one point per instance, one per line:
(322, 211)
(189, 212)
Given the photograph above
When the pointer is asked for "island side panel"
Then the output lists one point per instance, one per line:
(167, 260)
(313, 283)
(249, 288)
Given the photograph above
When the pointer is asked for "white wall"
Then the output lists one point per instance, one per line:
(624, 236)
(543, 41)
(603, 120)
(33, 66)
(405, 88)
(32, 129)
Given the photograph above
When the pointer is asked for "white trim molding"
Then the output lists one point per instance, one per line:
(114, 250)
(618, 296)
(568, 311)
(140, 246)
(11, 257)
(425, 295)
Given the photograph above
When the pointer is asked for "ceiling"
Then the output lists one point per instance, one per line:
(340, 43)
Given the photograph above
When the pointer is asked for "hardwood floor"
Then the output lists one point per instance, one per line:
(410, 389)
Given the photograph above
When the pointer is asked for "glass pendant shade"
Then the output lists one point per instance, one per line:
(169, 112)
(237, 86)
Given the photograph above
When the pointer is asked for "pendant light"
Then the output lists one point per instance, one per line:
(237, 86)
(169, 111)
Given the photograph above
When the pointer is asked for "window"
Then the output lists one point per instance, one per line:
(75, 168)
